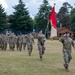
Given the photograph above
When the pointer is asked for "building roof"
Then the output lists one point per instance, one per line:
(64, 29)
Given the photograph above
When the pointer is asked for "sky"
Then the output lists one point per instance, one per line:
(32, 5)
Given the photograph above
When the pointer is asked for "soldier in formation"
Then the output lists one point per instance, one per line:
(4, 40)
(19, 42)
(24, 41)
(30, 41)
(12, 40)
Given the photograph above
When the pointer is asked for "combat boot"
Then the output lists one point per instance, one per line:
(66, 67)
(40, 58)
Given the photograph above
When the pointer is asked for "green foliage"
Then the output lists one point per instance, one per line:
(72, 19)
(42, 16)
(2, 18)
(63, 15)
(20, 19)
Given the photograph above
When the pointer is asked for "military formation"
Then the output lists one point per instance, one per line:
(14, 41)
(20, 42)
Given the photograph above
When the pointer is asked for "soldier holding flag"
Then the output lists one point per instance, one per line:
(41, 41)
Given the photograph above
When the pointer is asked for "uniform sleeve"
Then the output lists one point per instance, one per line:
(33, 39)
(44, 38)
(73, 44)
(61, 39)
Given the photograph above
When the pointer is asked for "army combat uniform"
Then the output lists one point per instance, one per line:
(4, 41)
(24, 41)
(41, 47)
(67, 42)
(19, 42)
(0, 41)
(12, 40)
(30, 41)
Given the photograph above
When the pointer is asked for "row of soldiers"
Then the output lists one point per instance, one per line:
(14, 41)
(21, 41)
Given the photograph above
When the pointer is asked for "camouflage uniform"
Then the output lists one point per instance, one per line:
(4, 41)
(24, 41)
(67, 42)
(19, 42)
(12, 41)
(30, 41)
(0, 41)
(41, 47)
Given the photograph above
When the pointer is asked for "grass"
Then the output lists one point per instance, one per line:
(19, 63)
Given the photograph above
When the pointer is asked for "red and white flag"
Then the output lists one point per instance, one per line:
(52, 19)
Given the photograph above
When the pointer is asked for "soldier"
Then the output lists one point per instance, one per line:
(4, 41)
(30, 41)
(67, 42)
(1, 41)
(12, 40)
(41, 41)
(19, 42)
(24, 41)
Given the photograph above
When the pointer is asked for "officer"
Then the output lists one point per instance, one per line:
(67, 42)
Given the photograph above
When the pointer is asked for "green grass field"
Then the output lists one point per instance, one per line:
(19, 63)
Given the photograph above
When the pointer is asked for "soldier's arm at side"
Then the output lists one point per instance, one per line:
(73, 44)
(33, 40)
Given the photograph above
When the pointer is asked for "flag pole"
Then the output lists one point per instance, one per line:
(46, 27)
(47, 23)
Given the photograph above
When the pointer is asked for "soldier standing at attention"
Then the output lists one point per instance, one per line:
(12, 41)
(30, 41)
(19, 42)
(41, 41)
(4, 41)
(24, 41)
(67, 42)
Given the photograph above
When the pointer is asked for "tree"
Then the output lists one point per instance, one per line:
(20, 19)
(63, 15)
(72, 19)
(2, 18)
(42, 16)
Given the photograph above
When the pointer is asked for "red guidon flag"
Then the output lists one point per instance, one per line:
(52, 19)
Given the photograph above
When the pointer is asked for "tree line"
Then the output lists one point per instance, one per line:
(20, 19)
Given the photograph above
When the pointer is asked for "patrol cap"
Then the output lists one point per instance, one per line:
(66, 32)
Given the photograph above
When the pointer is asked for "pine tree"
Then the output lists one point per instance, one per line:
(63, 15)
(2, 18)
(42, 16)
(72, 19)
(20, 19)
